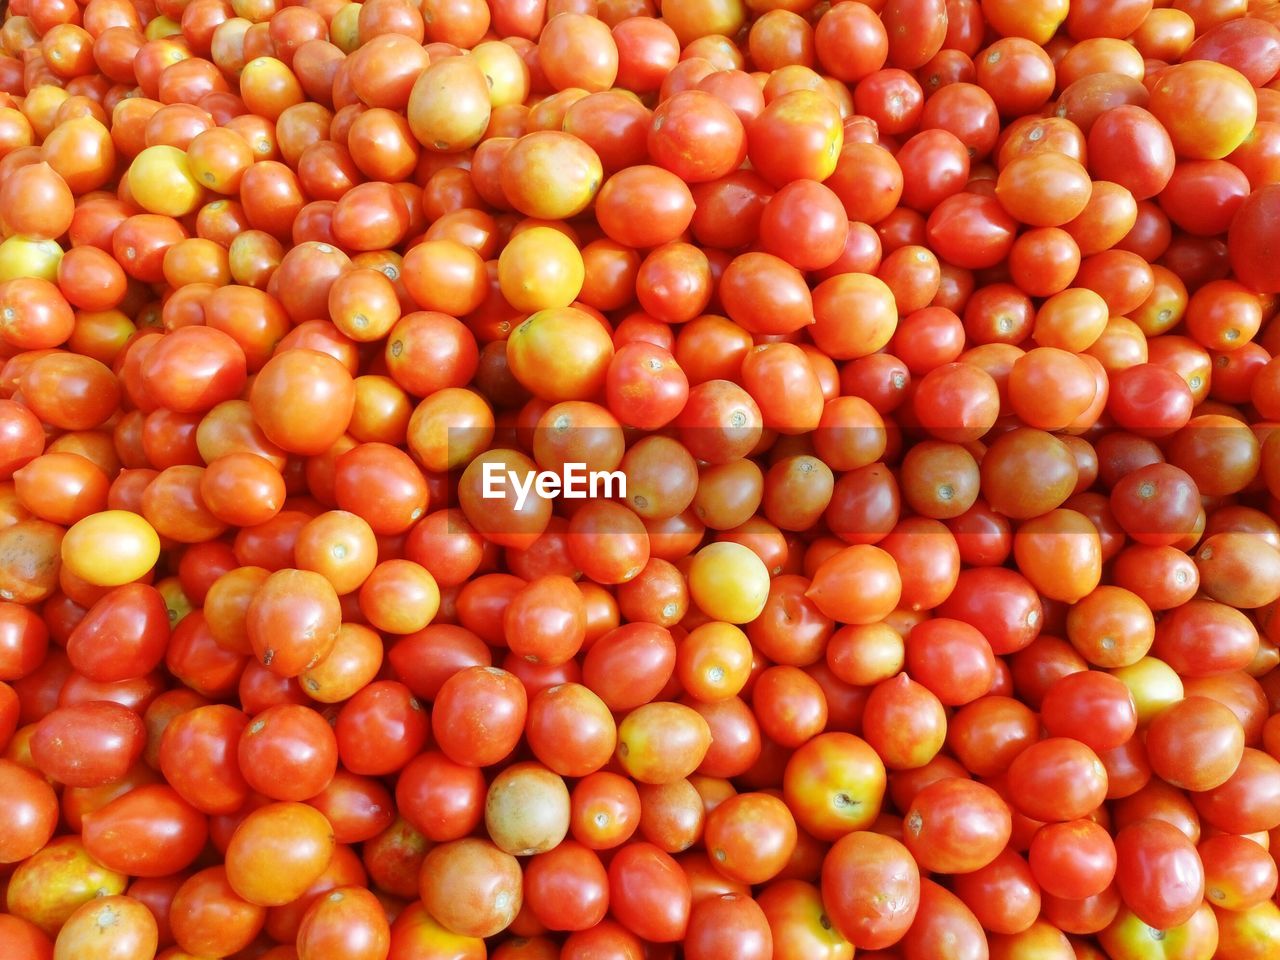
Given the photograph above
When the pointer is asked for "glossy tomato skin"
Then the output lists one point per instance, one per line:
(1253, 239)
(943, 922)
(89, 744)
(863, 861)
(32, 817)
(1128, 146)
(122, 636)
(1159, 873)
(649, 893)
(795, 268)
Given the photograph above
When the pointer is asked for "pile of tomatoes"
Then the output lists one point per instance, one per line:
(931, 348)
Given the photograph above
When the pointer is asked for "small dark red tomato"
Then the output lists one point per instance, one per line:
(123, 636)
(288, 752)
(649, 894)
(88, 744)
(148, 832)
(1159, 873)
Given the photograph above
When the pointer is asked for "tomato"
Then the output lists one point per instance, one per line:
(880, 585)
(1056, 780)
(750, 837)
(1130, 147)
(148, 832)
(306, 424)
(649, 893)
(799, 924)
(729, 582)
(567, 888)
(971, 230)
(31, 819)
(471, 886)
(88, 744)
(733, 923)
(1045, 190)
(943, 922)
(970, 666)
(1159, 874)
(1175, 99)
(765, 293)
(527, 810)
(1252, 239)
(797, 136)
(1004, 895)
(133, 929)
(277, 851)
(48, 887)
(956, 826)
(834, 784)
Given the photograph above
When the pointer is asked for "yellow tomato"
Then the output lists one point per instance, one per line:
(40, 107)
(110, 548)
(449, 106)
(729, 582)
(507, 74)
(691, 19)
(268, 87)
(175, 599)
(48, 887)
(1128, 938)
(160, 27)
(1036, 20)
(662, 742)
(27, 257)
(450, 428)
(539, 269)
(344, 29)
(161, 181)
(1153, 684)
